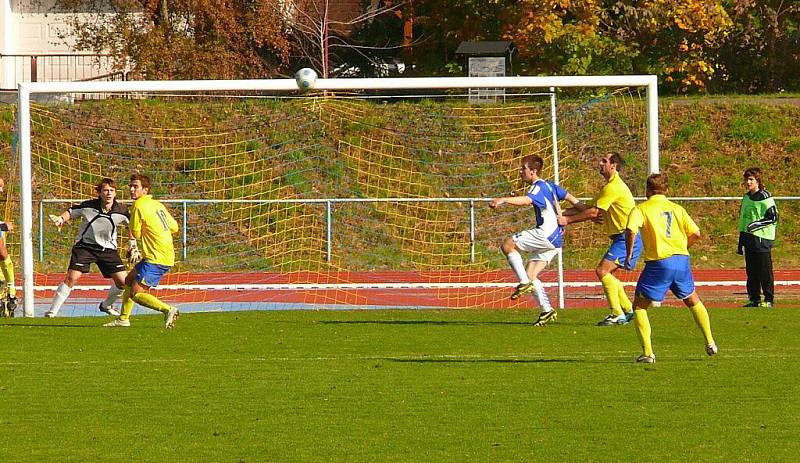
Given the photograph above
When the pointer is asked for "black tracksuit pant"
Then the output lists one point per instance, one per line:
(759, 275)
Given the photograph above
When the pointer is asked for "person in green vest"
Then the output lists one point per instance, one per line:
(758, 219)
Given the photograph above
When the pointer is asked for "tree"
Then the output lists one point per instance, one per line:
(441, 25)
(762, 51)
(366, 44)
(674, 39)
(185, 39)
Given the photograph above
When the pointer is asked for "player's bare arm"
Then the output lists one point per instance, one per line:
(513, 200)
(629, 239)
(692, 238)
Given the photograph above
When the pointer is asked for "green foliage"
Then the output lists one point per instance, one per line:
(755, 124)
(696, 132)
(759, 54)
(793, 146)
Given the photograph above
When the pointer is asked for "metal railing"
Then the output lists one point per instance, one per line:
(15, 69)
(185, 203)
(329, 202)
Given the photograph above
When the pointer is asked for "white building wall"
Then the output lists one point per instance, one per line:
(32, 28)
(7, 34)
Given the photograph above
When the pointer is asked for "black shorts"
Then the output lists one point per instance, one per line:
(107, 261)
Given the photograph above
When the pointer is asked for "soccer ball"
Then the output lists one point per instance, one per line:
(306, 78)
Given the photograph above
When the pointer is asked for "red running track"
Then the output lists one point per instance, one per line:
(718, 287)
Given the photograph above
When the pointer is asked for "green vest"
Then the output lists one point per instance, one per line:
(753, 211)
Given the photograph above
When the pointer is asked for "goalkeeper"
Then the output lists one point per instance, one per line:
(96, 244)
(152, 223)
(8, 292)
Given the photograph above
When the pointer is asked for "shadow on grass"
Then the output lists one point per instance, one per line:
(53, 325)
(445, 360)
(419, 322)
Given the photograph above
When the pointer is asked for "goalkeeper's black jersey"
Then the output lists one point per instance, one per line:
(99, 229)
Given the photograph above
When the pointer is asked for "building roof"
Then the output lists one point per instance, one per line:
(496, 48)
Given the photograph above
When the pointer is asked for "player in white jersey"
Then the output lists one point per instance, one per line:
(543, 241)
(96, 244)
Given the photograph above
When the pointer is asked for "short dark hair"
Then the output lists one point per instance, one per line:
(756, 173)
(105, 181)
(657, 184)
(616, 159)
(143, 179)
(533, 162)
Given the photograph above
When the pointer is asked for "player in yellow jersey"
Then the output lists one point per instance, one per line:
(152, 226)
(611, 207)
(8, 291)
(667, 233)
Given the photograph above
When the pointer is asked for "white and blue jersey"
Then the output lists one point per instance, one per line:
(544, 195)
(547, 235)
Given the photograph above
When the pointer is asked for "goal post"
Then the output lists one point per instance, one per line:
(27, 91)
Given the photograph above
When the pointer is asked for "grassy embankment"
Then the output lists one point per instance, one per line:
(705, 145)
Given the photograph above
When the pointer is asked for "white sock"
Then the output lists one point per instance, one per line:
(515, 260)
(113, 295)
(541, 296)
(62, 293)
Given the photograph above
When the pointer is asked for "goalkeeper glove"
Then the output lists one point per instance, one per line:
(134, 255)
(57, 220)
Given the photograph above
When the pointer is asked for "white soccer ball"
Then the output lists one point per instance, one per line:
(306, 78)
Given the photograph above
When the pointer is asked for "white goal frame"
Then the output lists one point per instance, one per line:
(25, 90)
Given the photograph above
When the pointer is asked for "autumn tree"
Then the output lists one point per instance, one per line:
(185, 39)
(675, 39)
(762, 51)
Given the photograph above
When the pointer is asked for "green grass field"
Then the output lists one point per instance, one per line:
(378, 386)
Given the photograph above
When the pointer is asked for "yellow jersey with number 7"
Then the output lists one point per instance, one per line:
(152, 226)
(665, 227)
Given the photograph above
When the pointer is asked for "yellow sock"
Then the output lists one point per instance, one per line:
(610, 287)
(700, 315)
(127, 304)
(151, 302)
(624, 302)
(7, 268)
(642, 324)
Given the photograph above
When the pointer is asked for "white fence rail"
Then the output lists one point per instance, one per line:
(185, 204)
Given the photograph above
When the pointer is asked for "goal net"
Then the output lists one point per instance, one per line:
(366, 193)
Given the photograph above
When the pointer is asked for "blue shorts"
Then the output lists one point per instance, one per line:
(672, 273)
(616, 252)
(150, 274)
